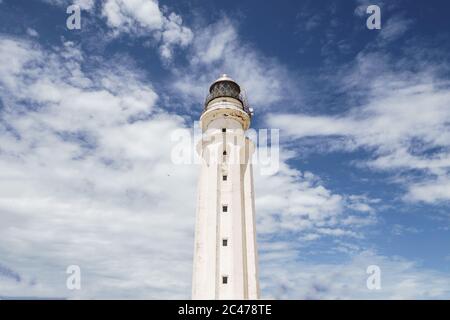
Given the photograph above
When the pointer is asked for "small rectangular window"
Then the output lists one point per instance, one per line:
(224, 152)
(225, 242)
(224, 130)
(224, 178)
(224, 279)
(225, 208)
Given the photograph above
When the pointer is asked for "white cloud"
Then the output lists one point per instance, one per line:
(294, 202)
(394, 28)
(398, 229)
(139, 18)
(404, 124)
(430, 191)
(78, 181)
(127, 14)
(217, 49)
(214, 40)
(286, 277)
(174, 34)
(144, 18)
(32, 32)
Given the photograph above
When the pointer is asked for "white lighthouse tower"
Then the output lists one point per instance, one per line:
(225, 255)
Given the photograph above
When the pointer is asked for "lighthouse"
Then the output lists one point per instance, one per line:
(225, 252)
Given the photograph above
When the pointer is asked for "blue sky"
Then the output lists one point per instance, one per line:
(86, 118)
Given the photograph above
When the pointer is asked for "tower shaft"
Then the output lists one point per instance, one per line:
(225, 255)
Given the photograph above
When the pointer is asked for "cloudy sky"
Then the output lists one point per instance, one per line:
(86, 119)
